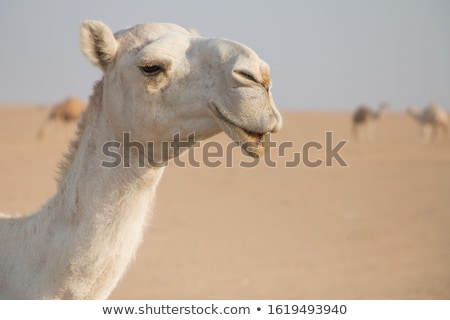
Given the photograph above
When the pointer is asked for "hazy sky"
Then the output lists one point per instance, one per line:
(324, 54)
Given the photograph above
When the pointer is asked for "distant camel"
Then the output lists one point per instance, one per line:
(364, 121)
(432, 119)
(69, 110)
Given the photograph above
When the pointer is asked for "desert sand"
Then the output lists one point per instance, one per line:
(378, 228)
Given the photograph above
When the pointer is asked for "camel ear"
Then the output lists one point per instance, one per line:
(97, 43)
(194, 32)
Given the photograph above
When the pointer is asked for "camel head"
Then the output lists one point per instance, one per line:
(160, 80)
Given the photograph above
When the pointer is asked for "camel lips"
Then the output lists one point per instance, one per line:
(257, 137)
(254, 136)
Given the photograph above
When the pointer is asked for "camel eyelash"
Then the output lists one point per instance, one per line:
(151, 69)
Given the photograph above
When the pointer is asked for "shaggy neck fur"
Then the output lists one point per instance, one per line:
(80, 243)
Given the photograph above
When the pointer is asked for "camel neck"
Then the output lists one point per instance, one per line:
(103, 212)
(81, 242)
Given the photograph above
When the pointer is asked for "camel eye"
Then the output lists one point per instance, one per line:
(151, 70)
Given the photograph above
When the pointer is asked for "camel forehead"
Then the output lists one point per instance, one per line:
(142, 34)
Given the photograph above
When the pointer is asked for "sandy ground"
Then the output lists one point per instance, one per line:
(377, 229)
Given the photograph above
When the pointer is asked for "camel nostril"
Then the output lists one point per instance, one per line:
(246, 75)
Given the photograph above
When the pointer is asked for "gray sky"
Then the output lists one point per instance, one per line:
(324, 54)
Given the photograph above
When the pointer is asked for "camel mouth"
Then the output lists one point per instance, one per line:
(251, 142)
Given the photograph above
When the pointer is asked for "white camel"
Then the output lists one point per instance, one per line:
(159, 82)
(364, 121)
(432, 120)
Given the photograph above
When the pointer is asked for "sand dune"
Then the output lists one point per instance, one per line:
(376, 229)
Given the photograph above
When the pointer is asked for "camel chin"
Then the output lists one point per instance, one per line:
(252, 144)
